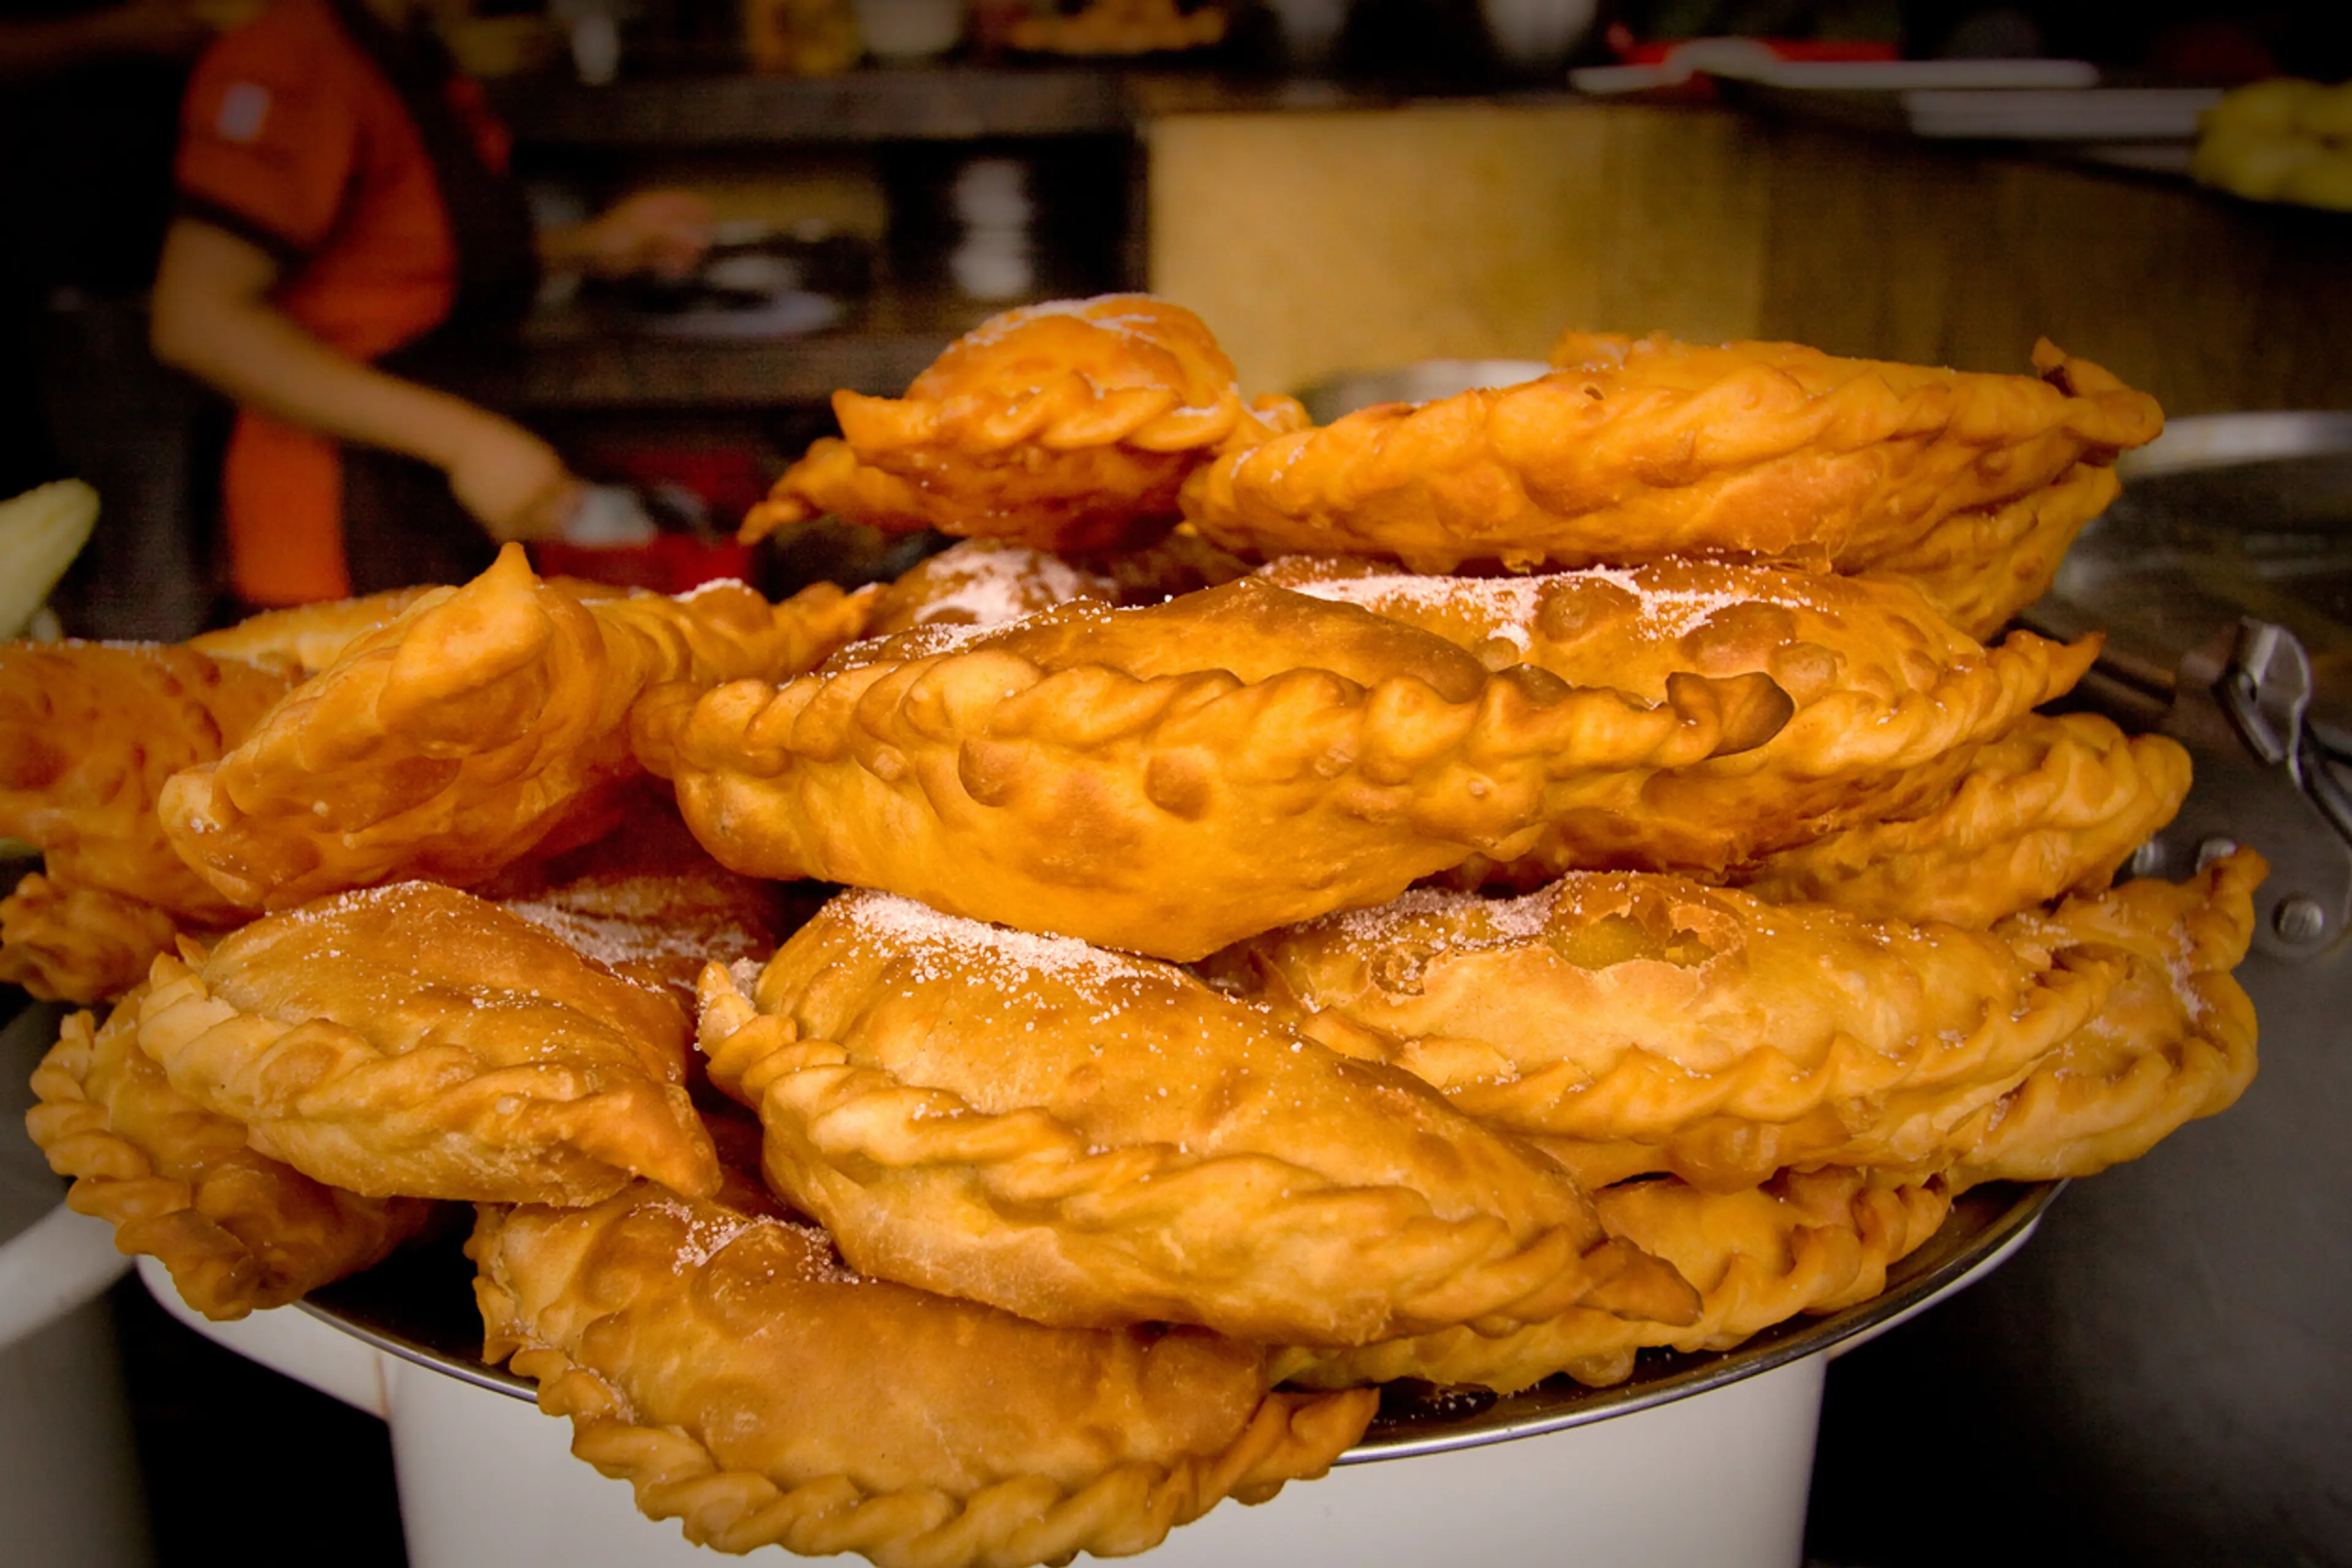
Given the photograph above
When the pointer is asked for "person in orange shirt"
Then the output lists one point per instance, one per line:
(347, 245)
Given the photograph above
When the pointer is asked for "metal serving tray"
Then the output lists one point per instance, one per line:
(419, 1306)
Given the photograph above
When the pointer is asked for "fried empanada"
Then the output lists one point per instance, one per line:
(1093, 1140)
(1633, 449)
(2175, 1043)
(1168, 779)
(1804, 1242)
(238, 1231)
(1891, 700)
(992, 583)
(308, 637)
(2054, 806)
(1066, 425)
(418, 1040)
(88, 734)
(77, 944)
(488, 722)
(1637, 1023)
(722, 1361)
(1981, 567)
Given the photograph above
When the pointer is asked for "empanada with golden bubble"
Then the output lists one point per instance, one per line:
(65, 943)
(1168, 779)
(488, 722)
(1890, 700)
(1066, 425)
(414, 1039)
(2054, 806)
(90, 733)
(724, 1362)
(1092, 1139)
(1634, 449)
(1637, 1023)
(238, 1230)
(2176, 1042)
(1804, 1242)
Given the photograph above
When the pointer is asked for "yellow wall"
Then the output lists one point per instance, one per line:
(1319, 242)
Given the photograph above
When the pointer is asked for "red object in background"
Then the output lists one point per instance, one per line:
(727, 480)
(667, 563)
(730, 480)
(1634, 51)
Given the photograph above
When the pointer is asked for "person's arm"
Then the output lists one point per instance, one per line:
(214, 318)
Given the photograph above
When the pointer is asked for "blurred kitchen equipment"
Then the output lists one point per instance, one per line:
(1535, 37)
(995, 223)
(754, 281)
(900, 32)
(2165, 1378)
(800, 37)
(1310, 30)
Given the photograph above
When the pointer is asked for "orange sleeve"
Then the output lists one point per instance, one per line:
(268, 139)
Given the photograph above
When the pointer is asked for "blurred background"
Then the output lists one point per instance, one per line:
(1336, 185)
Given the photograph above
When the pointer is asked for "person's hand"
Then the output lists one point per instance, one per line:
(510, 480)
(662, 232)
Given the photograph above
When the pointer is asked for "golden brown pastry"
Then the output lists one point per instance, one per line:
(489, 722)
(2054, 806)
(2176, 1042)
(1094, 1141)
(1633, 449)
(88, 734)
(415, 1039)
(238, 1230)
(77, 944)
(1890, 700)
(309, 638)
(1804, 1242)
(1065, 426)
(993, 582)
(1168, 779)
(724, 1362)
(1640, 1023)
(1980, 567)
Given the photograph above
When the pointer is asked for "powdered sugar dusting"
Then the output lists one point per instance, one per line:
(710, 1229)
(997, 588)
(928, 640)
(1669, 602)
(1470, 921)
(617, 941)
(920, 932)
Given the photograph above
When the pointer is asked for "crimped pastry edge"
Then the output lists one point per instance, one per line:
(1405, 780)
(1014, 1524)
(216, 1273)
(1013, 1165)
(1829, 1266)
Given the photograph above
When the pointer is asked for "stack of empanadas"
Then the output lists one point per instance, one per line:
(1470, 894)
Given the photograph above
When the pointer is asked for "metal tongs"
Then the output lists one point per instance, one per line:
(2265, 778)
